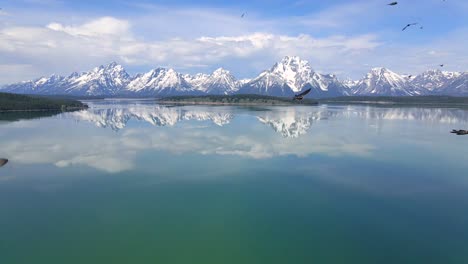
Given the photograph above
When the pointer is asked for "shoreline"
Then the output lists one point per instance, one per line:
(226, 103)
(67, 109)
(397, 104)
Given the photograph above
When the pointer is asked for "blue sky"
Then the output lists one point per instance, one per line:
(42, 37)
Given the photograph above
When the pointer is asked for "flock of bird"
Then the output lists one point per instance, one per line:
(409, 25)
(457, 132)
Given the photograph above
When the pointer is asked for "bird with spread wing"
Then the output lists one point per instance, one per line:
(300, 96)
(409, 25)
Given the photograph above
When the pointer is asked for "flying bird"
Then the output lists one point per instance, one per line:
(409, 76)
(409, 25)
(243, 14)
(3, 162)
(301, 95)
(393, 3)
(460, 132)
(441, 65)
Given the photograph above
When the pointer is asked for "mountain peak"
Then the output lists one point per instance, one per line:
(221, 71)
(113, 64)
(380, 70)
(293, 60)
(382, 81)
(290, 65)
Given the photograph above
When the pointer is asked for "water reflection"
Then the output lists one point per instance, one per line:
(19, 115)
(70, 143)
(290, 122)
(307, 174)
(117, 118)
(439, 115)
(231, 131)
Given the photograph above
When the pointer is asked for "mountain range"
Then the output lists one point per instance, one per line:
(284, 78)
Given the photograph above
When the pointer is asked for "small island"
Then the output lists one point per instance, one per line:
(238, 99)
(16, 102)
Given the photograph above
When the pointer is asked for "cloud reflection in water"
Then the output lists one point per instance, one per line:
(65, 146)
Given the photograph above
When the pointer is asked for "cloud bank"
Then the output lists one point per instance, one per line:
(334, 40)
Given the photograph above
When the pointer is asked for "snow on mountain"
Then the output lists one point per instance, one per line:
(160, 82)
(43, 85)
(220, 81)
(292, 75)
(196, 80)
(458, 86)
(267, 83)
(350, 83)
(102, 80)
(382, 82)
(433, 80)
(285, 78)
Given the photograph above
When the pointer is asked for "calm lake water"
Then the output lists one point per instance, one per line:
(129, 181)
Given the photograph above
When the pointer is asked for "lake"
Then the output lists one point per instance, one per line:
(130, 181)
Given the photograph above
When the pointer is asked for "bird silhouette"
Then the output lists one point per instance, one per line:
(393, 3)
(409, 25)
(302, 94)
(243, 14)
(3, 162)
(441, 65)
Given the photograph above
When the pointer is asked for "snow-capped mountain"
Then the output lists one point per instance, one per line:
(43, 85)
(382, 81)
(285, 78)
(292, 75)
(196, 80)
(221, 81)
(350, 83)
(458, 86)
(102, 80)
(160, 82)
(432, 81)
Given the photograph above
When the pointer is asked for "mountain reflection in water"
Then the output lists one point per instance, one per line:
(78, 138)
(290, 122)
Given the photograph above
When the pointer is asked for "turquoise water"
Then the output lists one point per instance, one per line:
(129, 181)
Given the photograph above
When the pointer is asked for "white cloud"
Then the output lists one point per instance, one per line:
(102, 27)
(343, 39)
(63, 48)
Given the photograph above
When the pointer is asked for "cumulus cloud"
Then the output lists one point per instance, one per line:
(344, 39)
(102, 28)
(104, 39)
